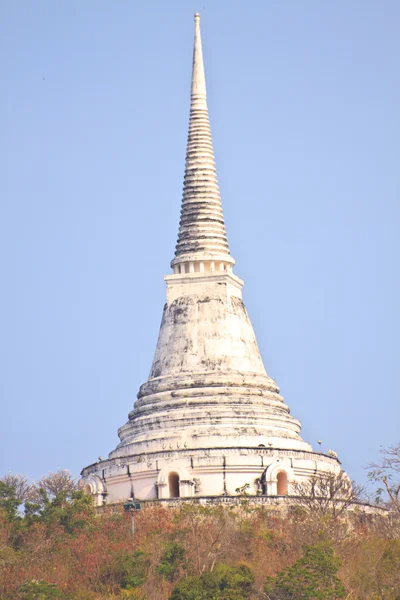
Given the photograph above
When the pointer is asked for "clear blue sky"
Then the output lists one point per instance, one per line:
(304, 105)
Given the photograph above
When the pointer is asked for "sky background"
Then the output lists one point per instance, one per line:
(304, 106)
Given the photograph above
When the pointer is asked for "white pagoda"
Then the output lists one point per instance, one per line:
(209, 421)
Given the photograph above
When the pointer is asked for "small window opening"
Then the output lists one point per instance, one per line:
(282, 484)
(173, 484)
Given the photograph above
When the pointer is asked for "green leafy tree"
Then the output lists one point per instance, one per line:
(9, 500)
(9, 510)
(195, 588)
(224, 583)
(312, 577)
(171, 560)
(54, 499)
(71, 510)
(134, 569)
(388, 571)
(41, 590)
(20, 484)
(235, 583)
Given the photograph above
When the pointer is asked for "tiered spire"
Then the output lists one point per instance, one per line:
(202, 233)
(209, 418)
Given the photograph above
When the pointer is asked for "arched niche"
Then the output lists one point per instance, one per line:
(277, 478)
(173, 485)
(282, 484)
(174, 481)
(95, 487)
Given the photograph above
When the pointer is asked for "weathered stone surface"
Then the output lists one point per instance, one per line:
(208, 414)
(202, 228)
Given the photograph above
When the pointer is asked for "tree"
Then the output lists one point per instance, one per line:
(235, 583)
(224, 583)
(134, 568)
(171, 560)
(9, 502)
(313, 577)
(70, 511)
(56, 500)
(387, 471)
(53, 489)
(53, 484)
(194, 588)
(326, 494)
(204, 529)
(388, 571)
(41, 590)
(371, 567)
(20, 484)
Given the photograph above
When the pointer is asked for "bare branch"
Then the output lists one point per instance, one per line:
(387, 472)
(20, 484)
(56, 483)
(326, 494)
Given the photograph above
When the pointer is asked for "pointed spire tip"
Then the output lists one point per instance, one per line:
(202, 234)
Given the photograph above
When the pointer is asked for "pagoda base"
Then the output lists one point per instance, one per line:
(195, 473)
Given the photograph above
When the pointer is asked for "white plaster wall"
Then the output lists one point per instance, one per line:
(208, 402)
(205, 327)
(214, 475)
(207, 387)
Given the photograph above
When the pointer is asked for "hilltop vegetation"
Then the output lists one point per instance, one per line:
(53, 545)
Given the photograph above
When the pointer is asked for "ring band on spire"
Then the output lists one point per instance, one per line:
(202, 234)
